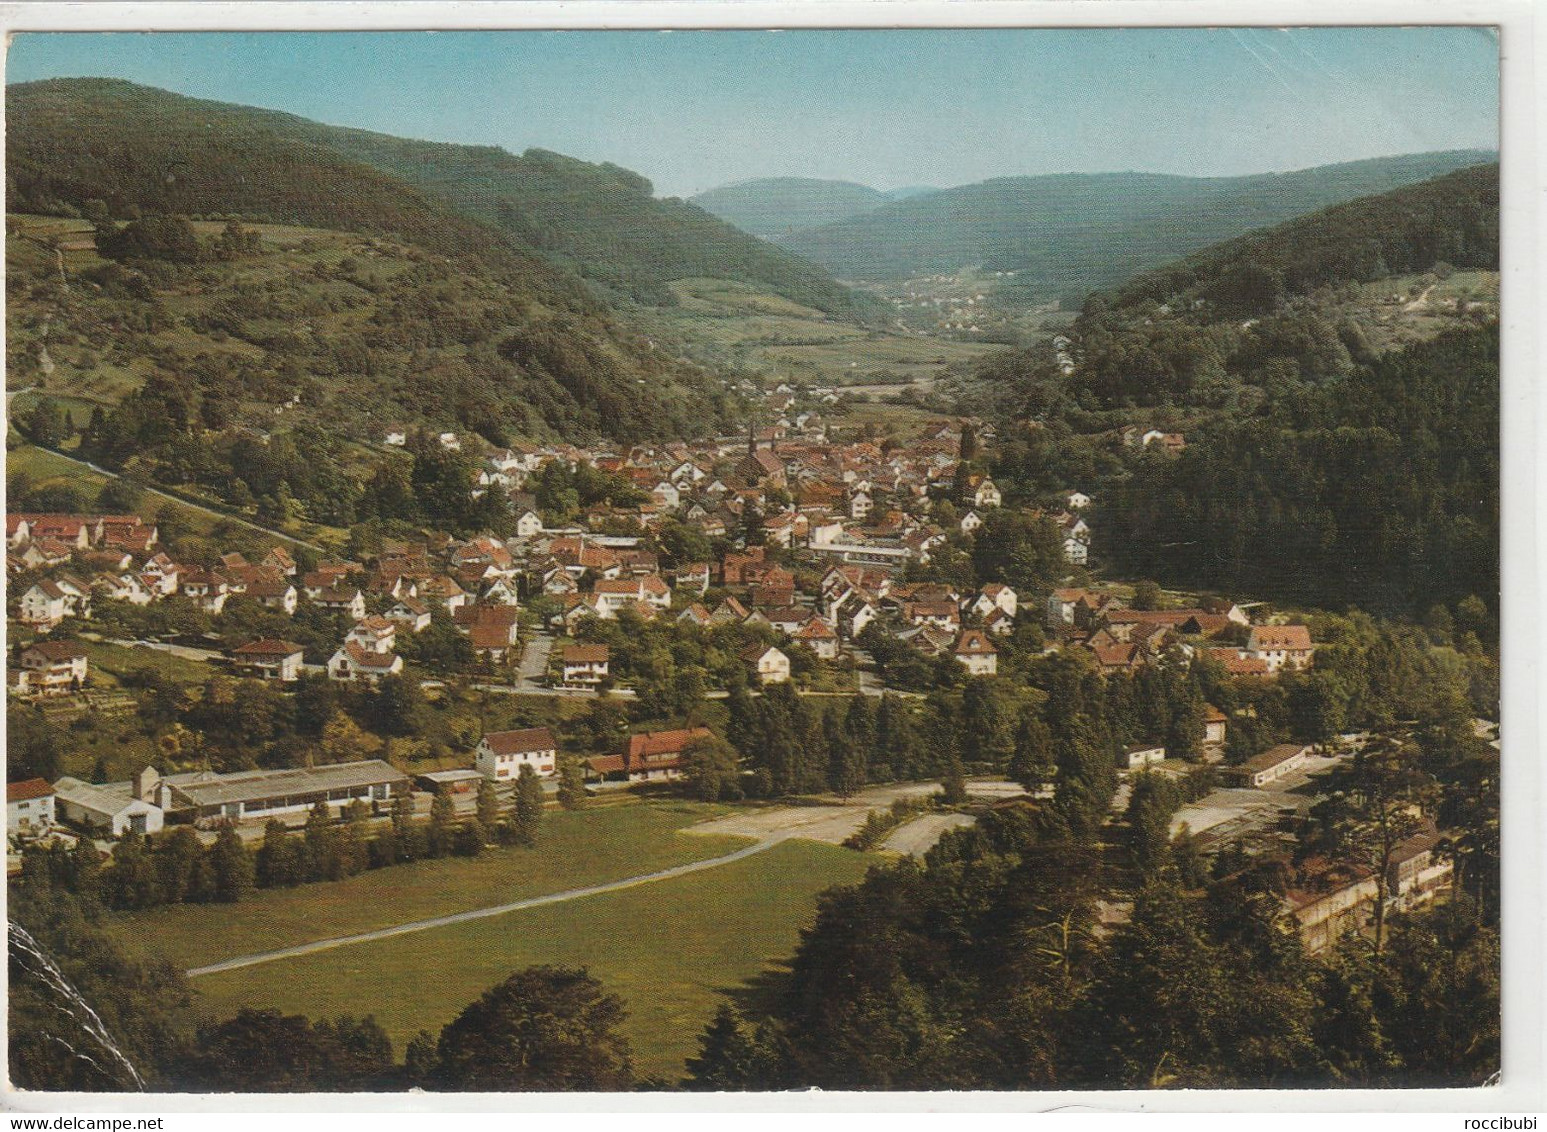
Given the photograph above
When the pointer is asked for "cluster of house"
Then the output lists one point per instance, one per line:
(476, 581)
(114, 558)
(1261, 808)
(849, 502)
(1124, 639)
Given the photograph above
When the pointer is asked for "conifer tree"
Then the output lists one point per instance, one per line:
(572, 794)
(231, 864)
(527, 807)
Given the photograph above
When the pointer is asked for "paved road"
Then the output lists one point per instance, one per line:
(182, 651)
(482, 913)
(101, 471)
(534, 658)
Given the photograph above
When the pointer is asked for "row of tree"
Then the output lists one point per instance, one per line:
(176, 867)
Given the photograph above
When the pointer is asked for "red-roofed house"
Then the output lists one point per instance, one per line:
(651, 755)
(585, 666)
(29, 806)
(353, 663)
(52, 668)
(1281, 646)
(269, 659)
(976, 653)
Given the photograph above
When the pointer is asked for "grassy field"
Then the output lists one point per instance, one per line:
(579, 848)
(668, 949)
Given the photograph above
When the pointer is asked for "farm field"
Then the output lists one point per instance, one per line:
(578, 848)
(744, 328)
(669, 949)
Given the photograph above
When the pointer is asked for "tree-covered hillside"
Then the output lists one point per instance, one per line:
(1452, 219)
(71, 140)
(273, 327)
(1336, 382)
(1380, 490)
(1069, 234)
(1235, 326)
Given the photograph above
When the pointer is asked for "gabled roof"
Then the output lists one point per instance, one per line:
(524, 741)
(268, 646)
(27, 790)
(1274, 637)
(365, 658)
(56, 650)
(650, 746)
(974, 642)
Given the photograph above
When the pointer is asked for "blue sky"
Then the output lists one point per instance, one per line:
(692, 110)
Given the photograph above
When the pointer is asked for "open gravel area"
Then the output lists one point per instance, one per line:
(834, 822)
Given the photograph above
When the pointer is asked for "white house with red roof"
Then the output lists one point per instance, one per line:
(51, 668)
(29, 806)
(353, 663)
(269, 659)
(501, 754)
(975, 652)
(1280, 646)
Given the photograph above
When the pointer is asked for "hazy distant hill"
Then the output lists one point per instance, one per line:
(75, 139)
(775, 206)
(771, 207)
(1067, 234)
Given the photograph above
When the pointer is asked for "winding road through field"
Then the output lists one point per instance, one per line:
(481, 913)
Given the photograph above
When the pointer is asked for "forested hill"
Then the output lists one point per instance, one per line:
(1380, 491)
(1305, 301)
(776, 206)
(138, 150)
(1452, 219)
(1069, 234)
(359, 315)
(71, 140)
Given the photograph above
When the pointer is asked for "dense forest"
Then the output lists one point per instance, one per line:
(1379, 490)
(986, 967)
(138, 148)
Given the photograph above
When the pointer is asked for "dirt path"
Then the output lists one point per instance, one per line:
(480, 913)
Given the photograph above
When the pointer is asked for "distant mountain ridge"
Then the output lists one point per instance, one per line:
(1068, 234)
(770, 207)
(1452, 219)
(601, 222)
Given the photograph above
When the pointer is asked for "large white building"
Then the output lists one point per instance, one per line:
(111, 809)
(501, 754)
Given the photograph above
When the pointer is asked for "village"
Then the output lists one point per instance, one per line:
(807, 560)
